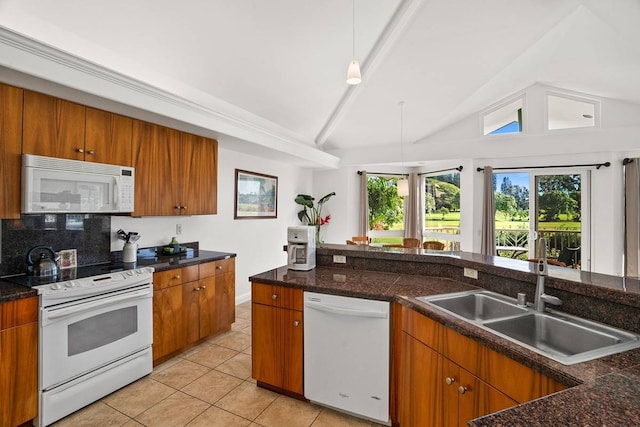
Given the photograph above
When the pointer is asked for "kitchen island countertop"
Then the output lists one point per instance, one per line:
(601, 392)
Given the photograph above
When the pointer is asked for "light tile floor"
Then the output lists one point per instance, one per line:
(208, 386)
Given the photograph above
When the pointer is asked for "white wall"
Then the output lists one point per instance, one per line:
(257, 242)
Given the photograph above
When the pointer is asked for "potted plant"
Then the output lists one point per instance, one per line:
(311, 213)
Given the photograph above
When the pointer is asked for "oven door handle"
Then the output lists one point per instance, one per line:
(63, 312)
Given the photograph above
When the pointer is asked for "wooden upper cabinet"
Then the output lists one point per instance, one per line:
(52, 127)
(154, 159)
(10, 150)
(176, 173)
(199, 175)
(108, 138)
(56, 128)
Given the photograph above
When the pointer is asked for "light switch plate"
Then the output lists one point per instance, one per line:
(339, 259)
(471, 273)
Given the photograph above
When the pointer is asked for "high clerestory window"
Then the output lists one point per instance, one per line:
(570, 112)
(504, 119)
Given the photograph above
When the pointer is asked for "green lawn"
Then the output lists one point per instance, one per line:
(452, 219)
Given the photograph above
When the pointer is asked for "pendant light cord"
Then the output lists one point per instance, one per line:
(401, 104)
(353, 16)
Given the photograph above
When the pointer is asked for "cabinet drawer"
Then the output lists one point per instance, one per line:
(18, 312)
(174, 277)
(217, 267)
(277, 296)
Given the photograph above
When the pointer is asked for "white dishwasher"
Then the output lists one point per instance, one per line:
(346, 354)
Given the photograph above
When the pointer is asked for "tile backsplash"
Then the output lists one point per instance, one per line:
(89, 234)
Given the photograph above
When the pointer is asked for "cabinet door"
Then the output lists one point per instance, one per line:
(156, 167)
(52, 127)
(168, 327)
(18, 374)
(478, 398)
(191, 311)
(108, 138)
(199, 173)
(225, 301)
(422, 386)
(208, 306)
(266, 350)
(10, 150)
(292, 343)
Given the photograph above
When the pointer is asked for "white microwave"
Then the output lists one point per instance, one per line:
(52, 185)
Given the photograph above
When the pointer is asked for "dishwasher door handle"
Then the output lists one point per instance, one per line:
(346, 311)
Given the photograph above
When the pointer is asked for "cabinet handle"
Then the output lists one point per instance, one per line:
(80, 150)
(296, 323)
(176, 277)
(218, 267)
(90, 152)
(184, 207)
(450, 380)
(177, 207)
(462, 390)
(203, 287)
(274, 297)
(196, 289)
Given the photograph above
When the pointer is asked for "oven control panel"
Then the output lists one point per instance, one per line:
(95, 285)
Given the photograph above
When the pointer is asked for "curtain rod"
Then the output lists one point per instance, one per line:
(597, 165)
(382, 173)
(459, 169)
(626, 161)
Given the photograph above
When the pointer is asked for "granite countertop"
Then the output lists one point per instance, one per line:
(11, 291)
(602, 391)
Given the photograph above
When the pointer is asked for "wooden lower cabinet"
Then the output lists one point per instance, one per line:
(168, 327)
(18, 361)
(190, 304)
(437, 392)
(446, 379)
(277, 340)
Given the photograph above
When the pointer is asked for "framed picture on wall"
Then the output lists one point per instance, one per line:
(256, 195)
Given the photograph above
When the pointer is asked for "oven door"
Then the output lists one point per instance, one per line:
(78, 337)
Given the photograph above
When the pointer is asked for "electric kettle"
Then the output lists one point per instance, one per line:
(45, 265)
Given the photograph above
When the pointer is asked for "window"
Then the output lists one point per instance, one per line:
(504, 119)
(568, 112)
(442, 209)
(548, 204)
(386, 210)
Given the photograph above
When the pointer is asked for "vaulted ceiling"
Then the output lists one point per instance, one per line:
(280, 65)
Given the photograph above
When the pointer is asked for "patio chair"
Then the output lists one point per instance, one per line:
(410, 242)
(360, 240)
(568, 256)
(433, 245)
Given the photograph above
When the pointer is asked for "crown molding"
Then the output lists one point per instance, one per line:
(26, 55)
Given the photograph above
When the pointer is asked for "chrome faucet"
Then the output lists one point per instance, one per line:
(541, 298)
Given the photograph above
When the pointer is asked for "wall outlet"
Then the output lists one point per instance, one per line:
(339, 259)
(471, 273)
(178, 229)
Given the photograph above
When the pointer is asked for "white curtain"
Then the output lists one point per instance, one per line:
(632, 218)
(488, 242)
(363, 226)
(412, 223)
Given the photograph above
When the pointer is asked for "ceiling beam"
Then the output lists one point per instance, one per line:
(395, 28)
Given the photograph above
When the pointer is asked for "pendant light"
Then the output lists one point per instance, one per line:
(353, 72)
(402, 184)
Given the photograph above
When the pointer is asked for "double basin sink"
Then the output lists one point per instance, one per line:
(558, 336)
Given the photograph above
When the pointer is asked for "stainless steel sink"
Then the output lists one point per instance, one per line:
(478, 306)
(564, 338)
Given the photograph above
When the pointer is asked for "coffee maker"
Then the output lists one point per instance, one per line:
(301, 247)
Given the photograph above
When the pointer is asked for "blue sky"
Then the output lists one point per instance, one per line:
(521, 179)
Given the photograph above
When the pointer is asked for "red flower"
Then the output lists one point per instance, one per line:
(325, 220)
